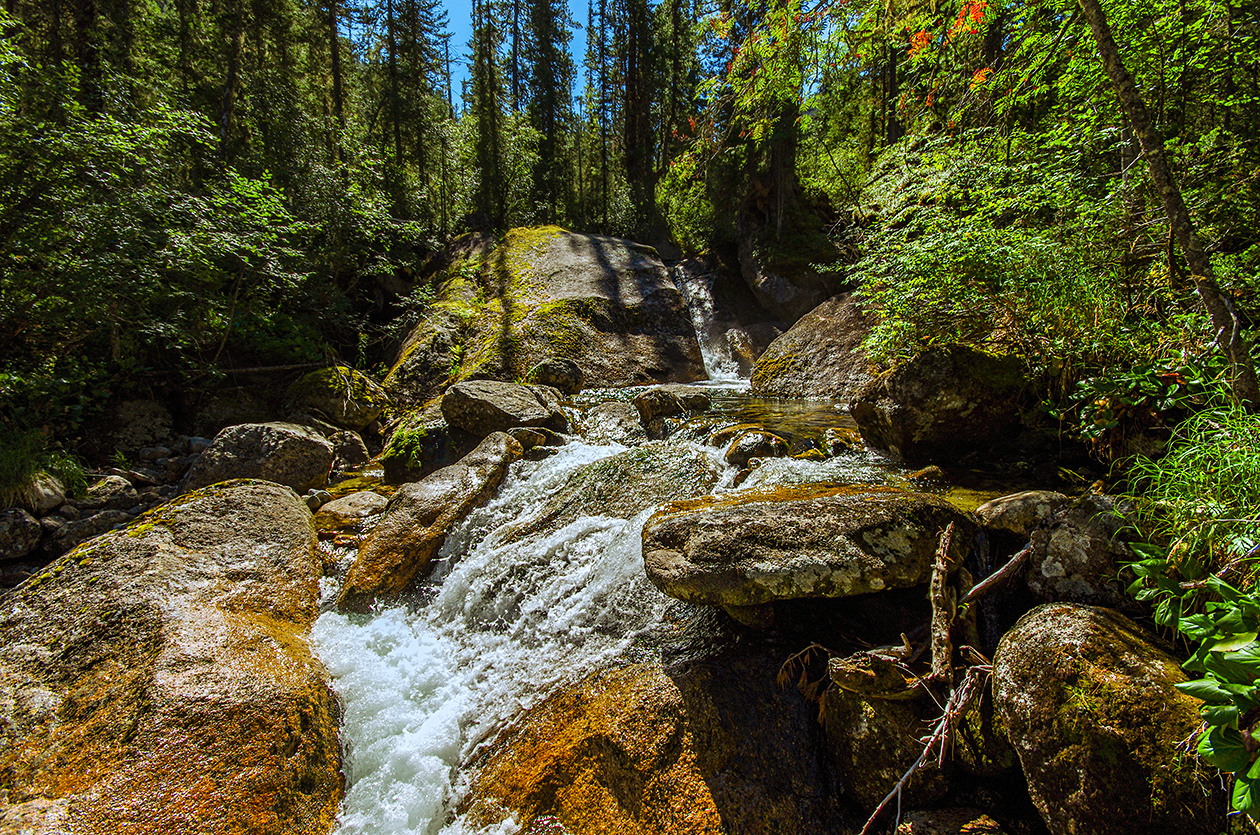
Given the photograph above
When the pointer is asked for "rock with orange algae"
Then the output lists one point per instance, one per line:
(711, 745)
(158, 679)
(416, 521)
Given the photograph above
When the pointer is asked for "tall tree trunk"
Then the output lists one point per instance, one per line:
(334, 42)
(1225, 323)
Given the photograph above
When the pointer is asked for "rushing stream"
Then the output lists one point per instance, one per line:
(500, 625)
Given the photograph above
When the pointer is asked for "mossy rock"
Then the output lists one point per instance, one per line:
(821, 356)
(342, 395)
(607, 304)
(421, 442)
(1091, 706)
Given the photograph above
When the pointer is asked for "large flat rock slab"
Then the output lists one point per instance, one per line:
(158, 679)
(787, 543)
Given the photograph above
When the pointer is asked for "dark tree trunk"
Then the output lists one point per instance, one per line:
(334, 42)
(1225, 323)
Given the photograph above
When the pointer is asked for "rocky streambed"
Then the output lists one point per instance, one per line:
(645, 609)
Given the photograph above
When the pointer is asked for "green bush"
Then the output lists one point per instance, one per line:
(24, 456)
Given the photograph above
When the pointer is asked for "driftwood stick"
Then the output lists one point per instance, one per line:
(943, 607)
(1002, 575)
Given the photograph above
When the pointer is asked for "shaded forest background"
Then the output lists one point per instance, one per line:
(194, 186)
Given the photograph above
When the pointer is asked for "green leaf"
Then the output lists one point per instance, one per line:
(1234, 642)
(1206, 690)
(1223, 748)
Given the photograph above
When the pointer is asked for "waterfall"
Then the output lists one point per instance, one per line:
(506, 623)
(715, 347)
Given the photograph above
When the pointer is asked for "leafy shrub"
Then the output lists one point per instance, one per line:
(24, 456)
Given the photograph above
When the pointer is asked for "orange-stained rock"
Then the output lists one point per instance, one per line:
(158, 679)
(613, 755)
(708, 745)
(416, 521)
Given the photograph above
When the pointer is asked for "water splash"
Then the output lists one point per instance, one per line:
(510, 622)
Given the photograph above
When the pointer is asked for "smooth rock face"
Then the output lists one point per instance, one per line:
(706, 747)
(158, 680)
(623, 485)
(763, 546)
(19, 533)
(614, 422)
(344, 396)
(1078, 558)
(942, 406)
(609, 305)
(484, 406)
(820, 356)
(564, 375)
(419, 517)
(1019, 513)
(285, 453)
(754, 443)
(1091, 708)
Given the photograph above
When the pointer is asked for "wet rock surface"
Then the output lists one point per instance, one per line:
(419, 517)
(1091, 707)
(158, 679)
(1020, 513)
(761, 546)
(288, 454)
(614, 422)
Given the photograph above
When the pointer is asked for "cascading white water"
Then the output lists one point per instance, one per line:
(715, 346)
(509, 622)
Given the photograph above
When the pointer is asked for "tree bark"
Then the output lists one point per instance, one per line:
(1225, 323)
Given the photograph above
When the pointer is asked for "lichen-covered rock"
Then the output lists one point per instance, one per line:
(942, 406)
(1019, 513)
(1078, 557)
(1091, 707)
(762, 546)
(625, 484)
(480, 407)
(609, 305)
(346, 397)
(285, 453)
(158, 679)
(614, 422)
(19, 533)
(821, 356)
(418, 518)
(702, 748)
(564, 375)
(754, 443)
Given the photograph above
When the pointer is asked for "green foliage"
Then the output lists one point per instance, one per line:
(26, 455)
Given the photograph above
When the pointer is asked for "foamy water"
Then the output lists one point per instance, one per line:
(509, 622)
